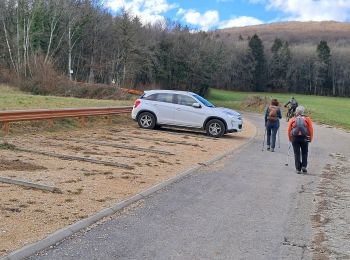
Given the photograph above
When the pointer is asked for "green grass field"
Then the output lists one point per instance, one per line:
(11, 99)
(327, 110)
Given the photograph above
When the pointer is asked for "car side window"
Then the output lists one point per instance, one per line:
(152, 97)
(185, 100)
(165, 97)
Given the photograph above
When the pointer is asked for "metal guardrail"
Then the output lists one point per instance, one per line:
(6, 117)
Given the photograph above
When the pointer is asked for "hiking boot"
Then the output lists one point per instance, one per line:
(298, 171)
(268, 148)
(303, 169)
(272, 149)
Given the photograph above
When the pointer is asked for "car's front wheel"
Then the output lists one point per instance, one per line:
(147, 120)
(215, 128)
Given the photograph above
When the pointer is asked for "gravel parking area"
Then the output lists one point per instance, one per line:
(94, 168)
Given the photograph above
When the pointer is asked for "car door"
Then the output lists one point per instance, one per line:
(164, 108)
(187, 115)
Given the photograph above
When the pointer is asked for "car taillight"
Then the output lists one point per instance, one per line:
(137, 103)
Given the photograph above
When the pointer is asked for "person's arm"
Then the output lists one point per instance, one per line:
(287, 104)
(311, 128)
(266, 115)
(279, 113)
(289, 130)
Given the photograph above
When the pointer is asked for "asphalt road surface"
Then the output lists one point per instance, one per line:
(247, 206)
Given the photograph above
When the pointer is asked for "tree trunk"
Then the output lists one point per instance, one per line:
(24, 48)
(27, 45)
(52, 29)
(333, 79)
(9, 47)
(70, 51)
(92, 73)
(18, 46)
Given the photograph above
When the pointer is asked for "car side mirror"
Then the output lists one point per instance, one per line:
(196, 105)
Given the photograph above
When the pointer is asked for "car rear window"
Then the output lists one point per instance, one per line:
(165, 97)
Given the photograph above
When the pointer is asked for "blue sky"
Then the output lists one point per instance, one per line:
(213, 14)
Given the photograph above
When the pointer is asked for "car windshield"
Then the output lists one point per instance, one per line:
(204, 101)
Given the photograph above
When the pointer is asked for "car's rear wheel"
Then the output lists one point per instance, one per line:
(146, 120)
(215, 128)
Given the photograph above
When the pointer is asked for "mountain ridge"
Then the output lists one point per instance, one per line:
(294, 31)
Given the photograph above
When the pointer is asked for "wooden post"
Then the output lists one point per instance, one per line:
(50, 122)
(82, 121)
(6, 128)
(109, 119)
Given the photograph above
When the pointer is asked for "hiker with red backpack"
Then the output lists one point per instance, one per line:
(272, 123)
(300, 133)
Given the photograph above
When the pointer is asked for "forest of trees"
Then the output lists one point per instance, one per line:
(44, 41)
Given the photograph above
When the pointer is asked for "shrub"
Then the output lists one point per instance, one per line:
(45, 80)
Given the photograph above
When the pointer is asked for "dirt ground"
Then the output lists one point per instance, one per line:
(134, 159)
(331, 218)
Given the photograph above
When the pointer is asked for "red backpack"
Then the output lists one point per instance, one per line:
(272, 116)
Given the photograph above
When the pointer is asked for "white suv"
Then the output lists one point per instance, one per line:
(184, 109)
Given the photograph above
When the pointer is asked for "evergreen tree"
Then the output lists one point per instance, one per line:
(323, 83)
(279, 66)
(257, 48)
(324, 52)
(277, 45)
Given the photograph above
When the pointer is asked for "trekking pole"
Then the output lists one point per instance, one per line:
(289, 147)
(279, 138)
(263, 144)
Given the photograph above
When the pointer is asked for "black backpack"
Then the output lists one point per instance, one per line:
(293, 103)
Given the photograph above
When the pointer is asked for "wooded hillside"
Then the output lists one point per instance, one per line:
(296, 32)
(47, 46)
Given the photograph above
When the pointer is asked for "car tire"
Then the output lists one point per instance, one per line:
(215, 128)
(146, 120)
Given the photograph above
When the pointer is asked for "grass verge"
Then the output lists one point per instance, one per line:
(12, 99)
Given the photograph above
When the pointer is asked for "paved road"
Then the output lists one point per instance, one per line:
(248, 206)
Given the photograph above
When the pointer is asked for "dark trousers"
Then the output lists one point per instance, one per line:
(271, 131)
(301, 149)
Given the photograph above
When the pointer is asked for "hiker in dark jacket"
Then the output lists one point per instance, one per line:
(272, 123)
(293, 105)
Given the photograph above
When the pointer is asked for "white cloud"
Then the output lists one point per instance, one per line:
(312, 10)
(205, 21)
(257, 1)
(211, 19)
(149, 11)
(181, 12)
(239, 22)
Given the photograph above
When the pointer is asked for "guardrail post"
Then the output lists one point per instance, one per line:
(50, 123)
(109, 119)
(82, 121)
(6, 128)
